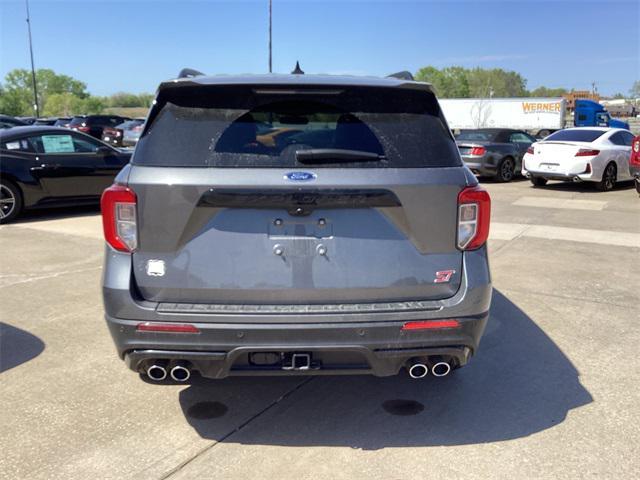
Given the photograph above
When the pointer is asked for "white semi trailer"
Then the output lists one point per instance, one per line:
(538, 115)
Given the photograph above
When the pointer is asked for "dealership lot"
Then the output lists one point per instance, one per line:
(552, 393)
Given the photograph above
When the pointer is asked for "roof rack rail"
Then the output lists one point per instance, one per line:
(404, 75)
(189, 73)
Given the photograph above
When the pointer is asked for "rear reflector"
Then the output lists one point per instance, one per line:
(530, 151)
(167, 327)
(430, 324)
(477, 151)
(583, 152)
(474, 216)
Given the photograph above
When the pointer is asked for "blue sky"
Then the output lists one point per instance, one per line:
(133, 45)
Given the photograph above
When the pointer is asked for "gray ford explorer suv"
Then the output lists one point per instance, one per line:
(295, 224)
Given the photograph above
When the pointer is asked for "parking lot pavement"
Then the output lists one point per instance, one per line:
(552, 393)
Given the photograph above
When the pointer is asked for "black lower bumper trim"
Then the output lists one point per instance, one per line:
(343, 360)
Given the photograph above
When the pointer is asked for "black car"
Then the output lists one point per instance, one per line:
(46, 121)
(50, 166)
(94, 124)
(63, 122)
(8, 122)
(494, 152)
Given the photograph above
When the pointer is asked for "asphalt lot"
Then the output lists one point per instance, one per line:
(552, 393)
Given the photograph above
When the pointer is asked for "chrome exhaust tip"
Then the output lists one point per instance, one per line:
(157, 372)
(441, 369)
(418, 370)
(180, 372)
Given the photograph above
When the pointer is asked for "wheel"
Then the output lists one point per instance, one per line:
(506, 170)
(10, 201)
(608, 181)
(538, 181)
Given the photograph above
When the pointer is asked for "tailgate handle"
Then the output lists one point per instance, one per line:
(298, 202)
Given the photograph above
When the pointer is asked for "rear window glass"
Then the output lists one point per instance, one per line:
(476, 136)
(246, 127)
(578, 135)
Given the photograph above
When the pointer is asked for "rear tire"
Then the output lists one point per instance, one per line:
(538, 181)
(506, 170)
(609, 177)
(10, 201)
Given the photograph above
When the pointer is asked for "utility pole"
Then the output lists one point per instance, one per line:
(33, 70)
(270, 65)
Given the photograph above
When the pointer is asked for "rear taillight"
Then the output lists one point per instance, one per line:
(477, 151)
(587, 152)
(474, 216)
(635, 155)
(530, 150)
(118, 206)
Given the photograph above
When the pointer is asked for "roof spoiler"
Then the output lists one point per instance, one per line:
(189, 73)
(404, 75)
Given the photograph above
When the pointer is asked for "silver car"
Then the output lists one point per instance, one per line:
(356, 246)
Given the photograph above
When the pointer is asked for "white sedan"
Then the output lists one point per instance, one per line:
(584, 154)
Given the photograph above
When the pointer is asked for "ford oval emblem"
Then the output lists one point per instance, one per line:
(300, 176)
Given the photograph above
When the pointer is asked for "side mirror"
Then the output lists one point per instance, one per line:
(104, 150)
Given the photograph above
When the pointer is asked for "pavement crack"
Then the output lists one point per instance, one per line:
(257, 415)
(567, 297)
(32, 278)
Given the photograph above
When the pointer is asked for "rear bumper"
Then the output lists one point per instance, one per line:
(480, 165)
(218, 351)
(368, 341)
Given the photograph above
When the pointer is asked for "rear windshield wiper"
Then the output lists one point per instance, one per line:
(336, 155)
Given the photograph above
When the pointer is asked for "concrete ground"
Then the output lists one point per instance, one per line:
(552, 393)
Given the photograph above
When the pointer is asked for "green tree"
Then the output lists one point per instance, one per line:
(48, 83)
(62, 105)
(547, 92)
(635, 89)
(496, 82)
(450, 82)
(16, 102)
(123, 99)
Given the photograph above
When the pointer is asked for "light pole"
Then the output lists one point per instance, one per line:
(270, 69)
(33, 70)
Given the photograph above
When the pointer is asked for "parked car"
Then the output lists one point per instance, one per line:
(495, 152)
(131, 132)
(126, 134)
(8, 122)
(63, 122)
(27, 120)
(94, 124)
(46, 121)
(634, 162)
(582, 154)
(51, 166)
(363, 255)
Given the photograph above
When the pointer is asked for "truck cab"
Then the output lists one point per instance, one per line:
(591, 114)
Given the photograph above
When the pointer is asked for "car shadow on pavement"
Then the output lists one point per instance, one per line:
(17, 346)
(520, 383)
(585, 186)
